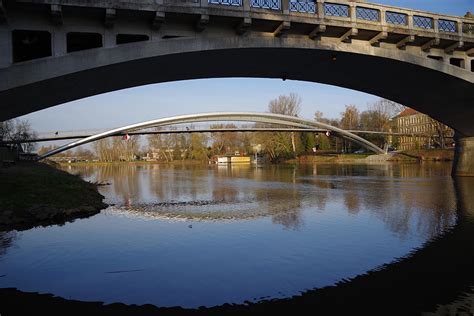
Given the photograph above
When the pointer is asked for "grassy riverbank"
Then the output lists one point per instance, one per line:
(402, 156)
(424, 155)
(135, 162)
(34, 194)
(330, 158)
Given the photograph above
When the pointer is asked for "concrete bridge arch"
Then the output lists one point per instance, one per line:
(419, 59)
(441, 90)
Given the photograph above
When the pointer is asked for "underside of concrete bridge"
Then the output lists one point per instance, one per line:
(419, 59)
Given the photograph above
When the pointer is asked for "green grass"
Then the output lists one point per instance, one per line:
(135, 162)
(34, 184)
(425, 155)
(330, 158)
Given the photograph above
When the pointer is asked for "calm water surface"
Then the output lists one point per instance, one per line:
(208, 235)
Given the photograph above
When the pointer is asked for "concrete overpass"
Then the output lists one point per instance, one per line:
(54, 51)
(266, 118)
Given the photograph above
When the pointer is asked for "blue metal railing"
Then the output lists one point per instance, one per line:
(422, 22)
(367, 14)
(447, 26)
(303, 6)
(235, 3)
(266, 4)
(396, 18)
(335, 9)
(331, 9)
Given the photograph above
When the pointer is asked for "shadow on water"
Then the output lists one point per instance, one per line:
(6, 241)
(433, 280)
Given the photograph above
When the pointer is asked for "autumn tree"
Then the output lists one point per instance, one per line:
(319, 117)
(349, 121)
(169, 146)
(377, 118)
(198, 146)
(224, 142)
(159, 143)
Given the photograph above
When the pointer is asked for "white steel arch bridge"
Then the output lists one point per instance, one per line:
(266, 118)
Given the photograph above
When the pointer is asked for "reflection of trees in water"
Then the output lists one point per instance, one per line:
(85, 172)
(352, 201)
(178, 182)
(283, 205)
(125, 179)
(427, 203)
(290, 217)
(406, 197)
(6, 241)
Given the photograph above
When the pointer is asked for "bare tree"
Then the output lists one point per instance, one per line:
(440, 130)
(84, 153)
(6, 129)
(287, 105)
(385, 109)
(103, 149)
(18, 131)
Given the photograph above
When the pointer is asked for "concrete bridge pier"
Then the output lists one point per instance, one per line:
(463, 165)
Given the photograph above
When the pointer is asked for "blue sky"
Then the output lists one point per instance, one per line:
(195, 96)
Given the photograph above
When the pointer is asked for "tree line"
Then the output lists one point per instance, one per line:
(275, 145)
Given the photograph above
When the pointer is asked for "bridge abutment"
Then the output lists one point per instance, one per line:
(463, 165)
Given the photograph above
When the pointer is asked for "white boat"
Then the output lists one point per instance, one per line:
(233, 160)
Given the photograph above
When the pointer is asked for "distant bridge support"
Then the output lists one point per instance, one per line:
(464, 157)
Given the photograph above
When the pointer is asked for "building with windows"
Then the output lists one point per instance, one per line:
(422, 131)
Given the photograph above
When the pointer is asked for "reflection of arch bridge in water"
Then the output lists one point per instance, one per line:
(266, 118)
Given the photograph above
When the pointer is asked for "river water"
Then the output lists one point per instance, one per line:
(195, 236)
